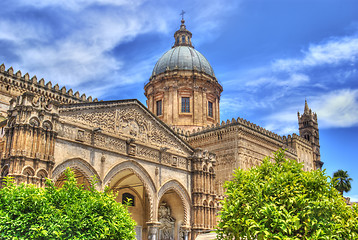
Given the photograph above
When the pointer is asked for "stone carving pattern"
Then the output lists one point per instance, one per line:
(104, 120)
(147, 153)
(143, 129)
(110, 143)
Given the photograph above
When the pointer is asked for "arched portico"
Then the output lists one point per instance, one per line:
(131, 181)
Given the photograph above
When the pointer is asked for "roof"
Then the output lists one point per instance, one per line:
(183, 58)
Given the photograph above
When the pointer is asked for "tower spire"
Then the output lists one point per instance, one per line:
(307, 109)
(182, 36)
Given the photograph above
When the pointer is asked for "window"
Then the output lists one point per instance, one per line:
(210, 109)
(128, 198)
(183, 39)
(177, 40)
(185, 104)
(159, 108)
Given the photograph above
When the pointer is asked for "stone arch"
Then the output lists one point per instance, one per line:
(4, 171)
(183, 194)
(29, 173)
(28, 170)
(143, 175)
(41, 174)
(79, 164)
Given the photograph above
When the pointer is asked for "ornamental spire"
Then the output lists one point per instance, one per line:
(182, 36)
(306, 107)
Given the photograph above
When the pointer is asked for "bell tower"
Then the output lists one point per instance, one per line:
(308, 127)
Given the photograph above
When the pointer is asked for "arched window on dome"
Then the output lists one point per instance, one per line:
(183, 39)
(177, 40)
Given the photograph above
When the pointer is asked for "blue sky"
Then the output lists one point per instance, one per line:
(269, 55)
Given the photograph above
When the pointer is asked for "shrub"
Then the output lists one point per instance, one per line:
(278, 200)
(70, 212)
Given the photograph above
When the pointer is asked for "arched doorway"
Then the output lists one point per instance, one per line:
(131, 181)
(83, 173)
(173, 212)
(129, 189)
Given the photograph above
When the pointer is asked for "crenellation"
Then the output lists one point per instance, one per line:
(26, 77)
(77, 95)
(2, 68)
(70, 92)
(89, 99)
(42, 82)
(49, 85)
(83, 97)
(10, 71)
(56, 88)
(63, 90)
(18, 74)
(34, 80)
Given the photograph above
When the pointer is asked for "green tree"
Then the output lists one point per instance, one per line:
(70, 212)
(342, 181)
(278, 200)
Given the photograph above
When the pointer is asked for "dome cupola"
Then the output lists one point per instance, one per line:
(183, 90)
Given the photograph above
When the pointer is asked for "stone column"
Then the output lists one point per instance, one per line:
(153, 230)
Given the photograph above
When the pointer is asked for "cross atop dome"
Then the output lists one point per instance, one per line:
(182, 36)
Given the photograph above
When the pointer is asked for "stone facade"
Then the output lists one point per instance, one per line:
(172, 164)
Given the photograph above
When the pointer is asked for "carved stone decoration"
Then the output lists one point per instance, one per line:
(103, 120)
(133, 123)
(131, 150)
(167, 222)
(80, 135)
(34, 122)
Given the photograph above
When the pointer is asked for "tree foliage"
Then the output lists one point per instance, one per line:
(342, 181)
(70, 212)
(278, 200)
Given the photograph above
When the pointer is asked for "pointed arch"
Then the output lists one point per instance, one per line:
(183, 194)
(28, 170)
(5, 170)
(143, 175)
(79, 164)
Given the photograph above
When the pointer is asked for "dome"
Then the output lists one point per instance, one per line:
(183, 58)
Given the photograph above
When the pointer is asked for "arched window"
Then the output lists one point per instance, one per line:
(177, 40)
(128, 198)
(183, 39)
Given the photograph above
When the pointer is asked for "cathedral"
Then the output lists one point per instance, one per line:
(170, 157)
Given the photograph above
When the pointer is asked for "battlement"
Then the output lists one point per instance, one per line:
(233, 122)
(288, 139)
(23, 83)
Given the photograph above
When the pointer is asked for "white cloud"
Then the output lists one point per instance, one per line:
(77, 5)
(83, 50)
(333, 52)
(337, 108)
(293, 80)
